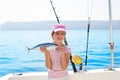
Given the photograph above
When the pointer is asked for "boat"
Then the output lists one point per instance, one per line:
(96, 74)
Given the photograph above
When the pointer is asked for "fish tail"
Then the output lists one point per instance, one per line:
(28, 49)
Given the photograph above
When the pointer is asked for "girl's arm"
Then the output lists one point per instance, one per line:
(65, 58)
(47, 57)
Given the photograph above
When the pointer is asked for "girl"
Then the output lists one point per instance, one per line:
(57, 60)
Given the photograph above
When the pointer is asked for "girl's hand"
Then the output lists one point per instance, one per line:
(43, 48)
(62, 49)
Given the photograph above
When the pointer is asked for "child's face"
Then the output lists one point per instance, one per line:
(59, 36)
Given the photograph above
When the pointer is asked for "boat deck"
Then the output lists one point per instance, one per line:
(98, 74)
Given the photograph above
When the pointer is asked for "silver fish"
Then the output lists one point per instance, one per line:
(48, 45)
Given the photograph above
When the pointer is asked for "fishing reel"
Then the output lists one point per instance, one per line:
(76, 59)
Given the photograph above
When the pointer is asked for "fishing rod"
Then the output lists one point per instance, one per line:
(88, 30)
(86, 57)
(111, 36)
(55, 12)
(65, 41)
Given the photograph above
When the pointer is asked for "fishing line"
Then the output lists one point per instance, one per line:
(89, 11)
(65, 41)
(90, 7)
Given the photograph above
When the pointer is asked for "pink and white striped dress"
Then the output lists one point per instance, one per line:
(57, 71)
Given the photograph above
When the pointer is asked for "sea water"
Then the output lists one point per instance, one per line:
(14, 57)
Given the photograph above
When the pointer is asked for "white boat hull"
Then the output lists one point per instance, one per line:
(98, 74)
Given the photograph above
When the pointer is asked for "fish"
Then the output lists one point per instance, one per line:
(49, 46)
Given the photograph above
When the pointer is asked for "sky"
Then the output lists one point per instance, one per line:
(39, 10)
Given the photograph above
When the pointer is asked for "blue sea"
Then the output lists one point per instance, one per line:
(14, 57)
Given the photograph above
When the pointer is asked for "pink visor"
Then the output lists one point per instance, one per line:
(59, 27)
